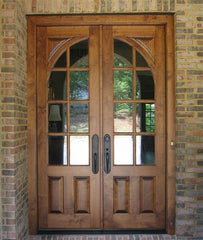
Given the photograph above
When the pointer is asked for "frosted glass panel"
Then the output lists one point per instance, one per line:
(79, 150)
(123, 150)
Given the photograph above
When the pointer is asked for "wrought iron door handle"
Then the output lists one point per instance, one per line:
(107, 153)
(95, 154)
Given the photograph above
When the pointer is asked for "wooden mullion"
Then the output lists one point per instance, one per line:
(79, 101)
(143, 69)
(144, 101)
(59, 69)
(123, 68)
(56, 101)
(78, 69)
(145, 133)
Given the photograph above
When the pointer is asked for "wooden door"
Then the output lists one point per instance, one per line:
(134, 119)
(69, 184)
(101, 127)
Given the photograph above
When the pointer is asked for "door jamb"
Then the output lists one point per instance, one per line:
(33, 22)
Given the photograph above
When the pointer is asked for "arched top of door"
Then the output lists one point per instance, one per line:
(60, 48)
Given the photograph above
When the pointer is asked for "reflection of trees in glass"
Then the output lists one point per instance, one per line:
(150, 117)
(123, 117)
(123, 85)
(79, 85)
(123, 108)
(120, 61)
(79, 117)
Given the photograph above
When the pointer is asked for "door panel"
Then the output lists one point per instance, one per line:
(103, 84)
(68, 115)
(134, 117)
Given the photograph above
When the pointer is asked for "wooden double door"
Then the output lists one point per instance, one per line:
(101, 127)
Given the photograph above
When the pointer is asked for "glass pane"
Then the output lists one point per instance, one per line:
(144, 150)
(140, 61)
(122, 54)
(57, 86)
(79, 54)
(144, 85)
(57, 150)
(123, 117)
(79, 150)
(61, 62)
(79, 117)
(57, 118)
(79, 85)
(123, 85)
(145, 117)
(123, 150)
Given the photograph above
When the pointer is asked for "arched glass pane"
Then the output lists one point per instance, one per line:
(57, 86)
(122, 54)
(140, 61)
(144, 85)
(61, 62)
(79, 54)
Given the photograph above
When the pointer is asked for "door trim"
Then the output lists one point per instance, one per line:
(33, 22)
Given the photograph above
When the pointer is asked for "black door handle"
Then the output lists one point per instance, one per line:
(95, 154)
(107, 153)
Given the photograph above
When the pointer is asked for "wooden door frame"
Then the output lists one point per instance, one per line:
(33, 22)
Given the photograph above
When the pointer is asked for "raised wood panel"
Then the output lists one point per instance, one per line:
(147, 195)
(56, 202)
(82, 194)
(121, 194)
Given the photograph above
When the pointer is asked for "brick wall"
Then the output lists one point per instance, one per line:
(0, 133)
(189, 135)
(189, 92)
(13, 121)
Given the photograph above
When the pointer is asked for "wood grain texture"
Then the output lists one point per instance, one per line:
(56, 192)
(82, 194)
(121, 195)
(147, 195)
